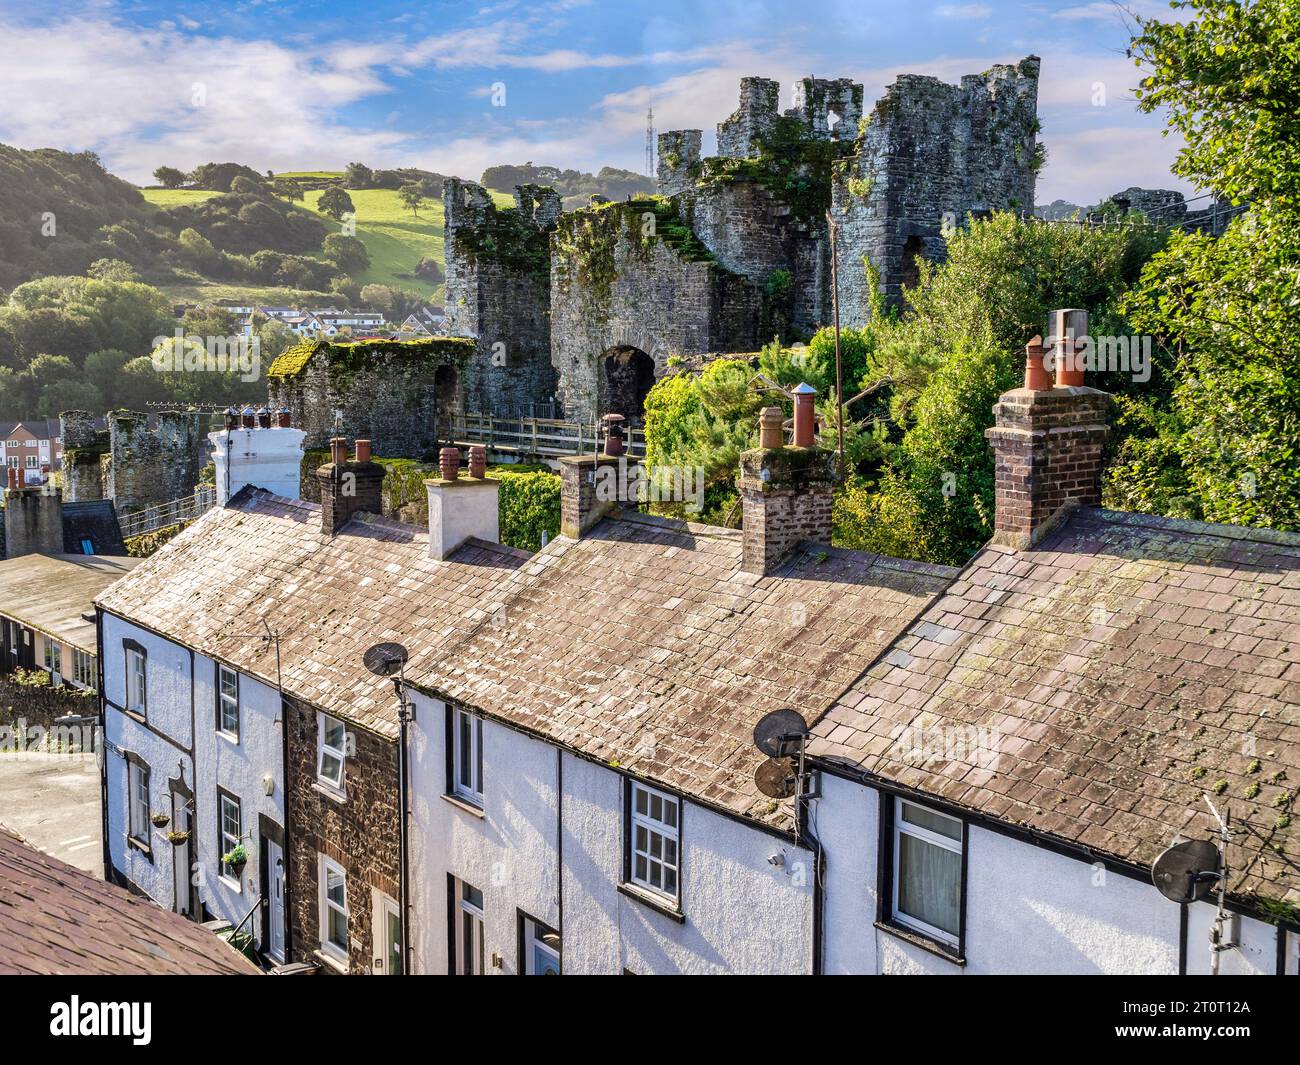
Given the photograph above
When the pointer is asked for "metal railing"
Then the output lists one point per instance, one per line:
(173, 512)
(542, 437)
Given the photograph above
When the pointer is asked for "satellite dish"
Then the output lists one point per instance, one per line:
(776, 778)
(385, 659)
(780, 733)
(1187, 872)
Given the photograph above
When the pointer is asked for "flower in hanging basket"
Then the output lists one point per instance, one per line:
(160, 820)
(236, 857)
(177, 838)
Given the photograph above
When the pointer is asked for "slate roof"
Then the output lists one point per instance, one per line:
(94, 520)
(52, 593)
(646, 646)
(1096, 687)
(265, 558)
(56, 920)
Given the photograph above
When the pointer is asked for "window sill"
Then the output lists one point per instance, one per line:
(662, 906)
(329, 792)
(918, 939)
(334, 963)
(464, 804)
(234, 885)
(136, 715)
(141, 846)
(229, 737)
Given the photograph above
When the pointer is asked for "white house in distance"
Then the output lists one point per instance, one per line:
(195, 747)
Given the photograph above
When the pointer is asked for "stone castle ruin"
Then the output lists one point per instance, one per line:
(138, 461)
(736, 248)
(400, 395)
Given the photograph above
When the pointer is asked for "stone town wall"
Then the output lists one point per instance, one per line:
(149, 466)
(498, 291)
(614, 286)
(930, 155)
(400, 395)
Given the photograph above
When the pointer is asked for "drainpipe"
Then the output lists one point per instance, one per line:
(101, 753)
(403, 811)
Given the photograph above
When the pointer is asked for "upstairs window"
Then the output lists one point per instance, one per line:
(228, 702)
(655, 834)
(137, 687)
(137, 801)
(467, 757)
(926, 892)
(331, 751)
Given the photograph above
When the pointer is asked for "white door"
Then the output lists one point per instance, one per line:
(275, 891)
(181, 856)
(388, 938)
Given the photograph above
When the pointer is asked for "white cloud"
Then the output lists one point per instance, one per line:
(963, 11)
(1086, 166)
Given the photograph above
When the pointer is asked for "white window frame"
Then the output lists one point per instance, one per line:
(470, 956)
(467, 756)
(227, 702)
(324, 749)
(644, 830)
(83, 670)
(33, 462)
(137, 801)
(227, 842)
(534, 941)
(328, 947)
(52, 657)
(137, 682)
(956, 846)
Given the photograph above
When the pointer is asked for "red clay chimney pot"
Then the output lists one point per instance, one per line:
(449, 461)
(1037, 379)
(478, 462)
(613, 433)
(363, 450)
(805, 417)
(284, 418)
(338, 450)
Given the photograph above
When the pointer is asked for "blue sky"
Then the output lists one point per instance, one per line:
(298, 84)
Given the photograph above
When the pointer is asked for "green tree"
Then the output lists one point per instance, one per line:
(112, 270)
(348, 252)
(335, 202)
(358, 176)
(411, 196)
(169, 177)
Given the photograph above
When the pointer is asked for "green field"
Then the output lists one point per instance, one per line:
(175, 197)
(395, 239)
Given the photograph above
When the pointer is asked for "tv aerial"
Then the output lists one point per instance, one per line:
(782, 736)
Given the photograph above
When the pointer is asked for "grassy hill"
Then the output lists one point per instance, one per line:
(395, 239)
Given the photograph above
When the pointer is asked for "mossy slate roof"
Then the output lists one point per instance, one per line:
(56, 920)
(644, 645)
(266, 559)
(1096, 687)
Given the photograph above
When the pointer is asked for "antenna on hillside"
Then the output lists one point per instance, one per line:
(650, 141)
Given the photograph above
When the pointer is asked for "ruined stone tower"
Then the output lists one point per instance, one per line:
(498, 291)
(930, 155)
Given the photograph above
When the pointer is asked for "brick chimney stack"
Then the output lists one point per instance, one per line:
(785, 491)
(348, 488)
(585, 493)
(1048, 441)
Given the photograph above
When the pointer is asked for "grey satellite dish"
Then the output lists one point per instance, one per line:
(385, 659)
(1187, 872)
(776, 778)
(780, 733)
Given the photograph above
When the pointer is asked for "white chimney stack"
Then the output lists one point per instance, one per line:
(263, 452)
(461, 507)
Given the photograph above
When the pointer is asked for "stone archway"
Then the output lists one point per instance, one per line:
(913, 248)
(626, 376)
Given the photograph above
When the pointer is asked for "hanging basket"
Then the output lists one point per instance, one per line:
(177, 838)
(160, 820)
